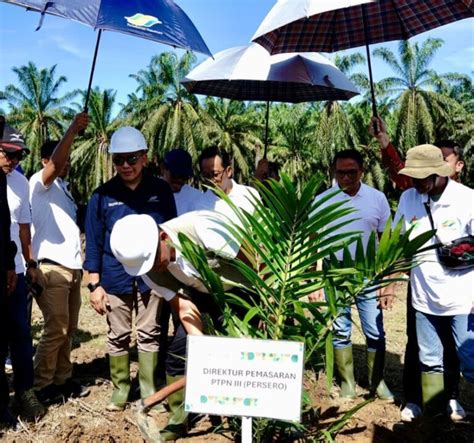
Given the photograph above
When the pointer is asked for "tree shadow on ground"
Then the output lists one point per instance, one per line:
(80, 335)
(437, 430)
(392, 374)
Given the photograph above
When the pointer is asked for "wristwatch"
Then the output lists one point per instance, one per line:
(93, 286)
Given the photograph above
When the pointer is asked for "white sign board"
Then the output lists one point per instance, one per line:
(245, 377)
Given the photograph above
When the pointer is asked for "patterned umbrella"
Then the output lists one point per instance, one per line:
(159, 20)
(251, 73)
(332, 25)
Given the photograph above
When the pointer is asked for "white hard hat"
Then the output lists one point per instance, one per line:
(127, 139)
(134, 243)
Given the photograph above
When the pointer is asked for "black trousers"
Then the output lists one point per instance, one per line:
(411, 368)
(176, 357)
(4, 391)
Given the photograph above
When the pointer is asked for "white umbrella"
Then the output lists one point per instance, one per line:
(251, 73)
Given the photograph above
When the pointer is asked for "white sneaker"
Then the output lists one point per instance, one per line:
(410, 412)
(455, 411)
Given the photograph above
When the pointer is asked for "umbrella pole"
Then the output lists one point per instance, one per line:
(267, 117)
(91, 76)
(369, 63)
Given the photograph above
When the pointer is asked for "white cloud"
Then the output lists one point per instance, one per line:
(65, 45)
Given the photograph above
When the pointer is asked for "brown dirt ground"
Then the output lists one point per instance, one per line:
(85, 420)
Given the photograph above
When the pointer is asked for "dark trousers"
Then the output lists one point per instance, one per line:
(176, 357)
(19, 337)
(4, 393)
(411, 368)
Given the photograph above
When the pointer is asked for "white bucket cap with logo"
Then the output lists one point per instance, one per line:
(425, 160)
(127, 139)
(134, 242)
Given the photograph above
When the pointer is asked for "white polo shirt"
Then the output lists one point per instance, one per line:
(435, 289)
(371, 209)
(242, 196)
(55, 233)
(19, 204)
(205, 228)
(187, 199)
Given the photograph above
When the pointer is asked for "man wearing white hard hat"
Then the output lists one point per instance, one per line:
(154, 250)
(113, 292)
(441, 295)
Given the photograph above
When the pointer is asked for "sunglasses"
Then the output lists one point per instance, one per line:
(119, 160)
(214, 175)
(16, 155)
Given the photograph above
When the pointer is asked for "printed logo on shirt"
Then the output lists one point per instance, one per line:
(153, 199)
(111, 205)
(449, 224)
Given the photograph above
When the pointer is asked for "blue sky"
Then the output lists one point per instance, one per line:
(222, 23)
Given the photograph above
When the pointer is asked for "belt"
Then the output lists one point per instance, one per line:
(49, 262)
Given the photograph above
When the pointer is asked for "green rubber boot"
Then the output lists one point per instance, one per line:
(432, 388)
(178, 419)
(375, 366)
(147, 366)
(120, 375)
(345, 368)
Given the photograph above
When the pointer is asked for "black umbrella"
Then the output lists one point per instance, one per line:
(333, 25)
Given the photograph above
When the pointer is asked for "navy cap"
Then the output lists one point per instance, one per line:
(179, 162)
(10, 139)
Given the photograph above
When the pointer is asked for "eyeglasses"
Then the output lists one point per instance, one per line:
(349, 173)
(14, 156)
(214, 175)
(119, 160)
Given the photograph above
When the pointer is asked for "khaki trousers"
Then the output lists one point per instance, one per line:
(147, 308)
(59, 302)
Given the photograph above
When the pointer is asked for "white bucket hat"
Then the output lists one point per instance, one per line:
(127, 139)
(134, 242)
(425, 160)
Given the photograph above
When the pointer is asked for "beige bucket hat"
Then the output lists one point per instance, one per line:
(425, 160)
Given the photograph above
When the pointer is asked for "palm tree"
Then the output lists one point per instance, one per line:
(420, 107)
(37, 109)
(233, 127)
(174, 119)
(293, 143)
(91, 164)
(148, 95)
(334, 130)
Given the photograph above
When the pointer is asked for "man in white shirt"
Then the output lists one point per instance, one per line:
(57, 248)
(440, 296)
(216, 170)
(177, 171)
(150, 253)
(371, 214)
(12, 150)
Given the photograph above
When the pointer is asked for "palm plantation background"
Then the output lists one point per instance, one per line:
(418, 104)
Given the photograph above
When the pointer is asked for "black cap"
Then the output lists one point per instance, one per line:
(179, 162)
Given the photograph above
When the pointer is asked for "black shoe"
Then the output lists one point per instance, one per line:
(7, 420)
(73, 389)
(49, 395)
